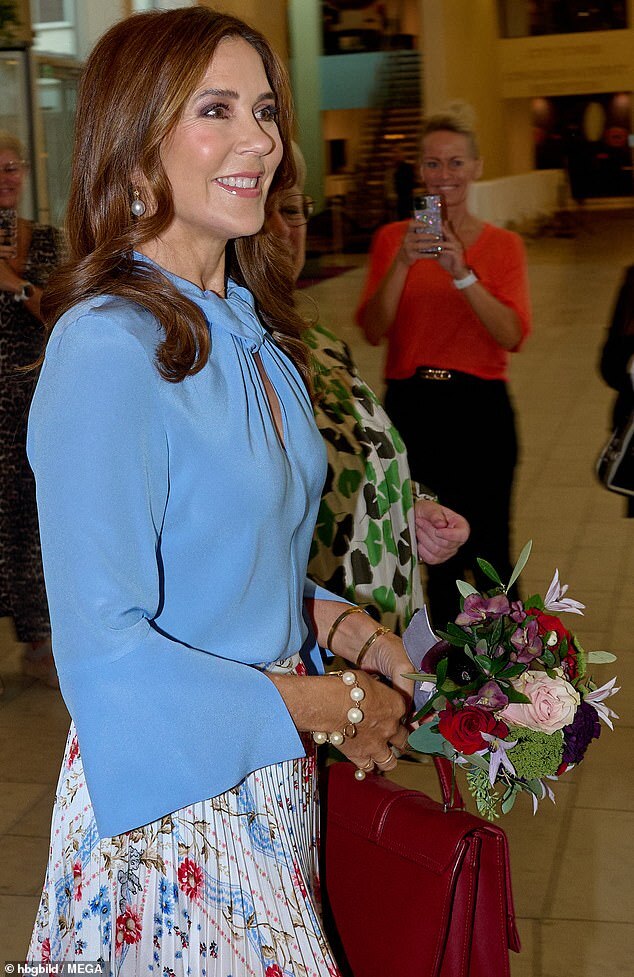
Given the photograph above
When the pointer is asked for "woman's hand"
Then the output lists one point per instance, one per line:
(384, 711)
(452, 256)
(417, 244)
(387, 657)
(440, 532)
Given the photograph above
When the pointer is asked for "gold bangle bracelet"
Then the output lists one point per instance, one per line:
(366, 647)
(349, 610)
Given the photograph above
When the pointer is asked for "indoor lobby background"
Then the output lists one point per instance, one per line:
(550, 83)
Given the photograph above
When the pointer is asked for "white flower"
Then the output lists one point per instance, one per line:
(596, 699)
(556, 601)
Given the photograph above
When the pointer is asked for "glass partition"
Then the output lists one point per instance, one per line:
(16, 116)
(56, 98)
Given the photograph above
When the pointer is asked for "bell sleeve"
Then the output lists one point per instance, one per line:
(160, 724)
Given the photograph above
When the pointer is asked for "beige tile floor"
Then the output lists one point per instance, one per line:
(573, 863)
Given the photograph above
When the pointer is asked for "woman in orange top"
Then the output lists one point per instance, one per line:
(450, 319)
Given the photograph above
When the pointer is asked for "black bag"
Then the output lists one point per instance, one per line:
(615, 466)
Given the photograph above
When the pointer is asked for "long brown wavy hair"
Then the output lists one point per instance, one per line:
(133, 91)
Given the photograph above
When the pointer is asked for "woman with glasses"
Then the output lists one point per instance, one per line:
(28, 254)
(451, 316)
(365, 546)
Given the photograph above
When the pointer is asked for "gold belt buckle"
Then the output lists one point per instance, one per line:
(434, 373)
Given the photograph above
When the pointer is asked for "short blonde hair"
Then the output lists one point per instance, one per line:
(458, 117)
(13, 144)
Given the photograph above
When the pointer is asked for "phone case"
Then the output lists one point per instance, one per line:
(429, 211)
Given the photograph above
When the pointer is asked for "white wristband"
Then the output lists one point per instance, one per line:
(465, 282)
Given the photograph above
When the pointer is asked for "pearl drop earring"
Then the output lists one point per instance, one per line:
(137, 206)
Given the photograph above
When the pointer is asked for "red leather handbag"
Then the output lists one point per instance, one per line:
(414, 888)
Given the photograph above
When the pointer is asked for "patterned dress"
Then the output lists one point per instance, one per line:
(227, 887)
(364, 544)
(22, 594)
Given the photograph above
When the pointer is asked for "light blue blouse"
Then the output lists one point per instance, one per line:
(175, 531)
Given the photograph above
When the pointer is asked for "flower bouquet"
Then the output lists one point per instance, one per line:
(506, 693)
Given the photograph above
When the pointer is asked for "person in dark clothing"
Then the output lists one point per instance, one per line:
(616, 363)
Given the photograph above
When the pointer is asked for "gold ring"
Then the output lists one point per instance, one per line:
(368, 765)
(387, 759)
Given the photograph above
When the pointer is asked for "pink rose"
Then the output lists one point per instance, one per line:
(553, 702)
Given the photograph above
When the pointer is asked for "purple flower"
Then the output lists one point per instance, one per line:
(497, 755)
(518, 614)
(527, 643)
(477, 608)
(584, 728)
(460, 668)
(490, 696)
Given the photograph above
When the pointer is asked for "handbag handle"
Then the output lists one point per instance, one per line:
(451, 796)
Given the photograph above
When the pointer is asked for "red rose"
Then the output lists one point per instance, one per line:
(547, 622)
(463, 728)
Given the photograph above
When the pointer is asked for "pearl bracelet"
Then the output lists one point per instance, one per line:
(354, 714)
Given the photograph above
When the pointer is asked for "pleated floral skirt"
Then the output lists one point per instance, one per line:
(228, 887)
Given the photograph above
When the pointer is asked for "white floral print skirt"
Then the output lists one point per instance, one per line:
(227, 887)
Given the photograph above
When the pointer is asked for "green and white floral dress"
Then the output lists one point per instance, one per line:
(364, 546)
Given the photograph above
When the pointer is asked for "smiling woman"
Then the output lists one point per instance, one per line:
(451, 318)
(178, 470)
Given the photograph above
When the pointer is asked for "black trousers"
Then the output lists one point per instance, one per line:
(461, 442)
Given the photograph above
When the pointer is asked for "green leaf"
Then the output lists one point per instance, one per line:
(482, 647)
(385, 599)
(419, 676)
(601, 657)
(349, 482)
(513, 671)
(515, 696)
(441, 671)
(535, 787)
(508, 802)
(521, 563)
(388, 538)
(373, 545)
(484, 662)
(548, 658)
(392, 477)
(534, 602)
(490, 571)
(448, 750)
(427, 739)
(325, 524)
(465, 588)
(478, 761)
(457, 635)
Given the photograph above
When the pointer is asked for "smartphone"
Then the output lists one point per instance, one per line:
(430, 211)
(9, 229)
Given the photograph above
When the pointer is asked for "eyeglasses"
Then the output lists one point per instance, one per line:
(296, 209)
(14, 167)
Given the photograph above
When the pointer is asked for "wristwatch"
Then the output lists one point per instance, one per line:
(26, 292)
